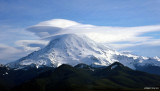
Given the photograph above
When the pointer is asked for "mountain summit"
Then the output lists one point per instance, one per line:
(74, 49)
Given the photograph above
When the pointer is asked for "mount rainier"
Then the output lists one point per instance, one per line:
(74, 49)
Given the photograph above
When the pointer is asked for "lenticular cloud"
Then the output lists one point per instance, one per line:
(104, 34)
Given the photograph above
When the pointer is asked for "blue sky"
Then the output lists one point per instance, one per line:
(21, 13)
(17, 15)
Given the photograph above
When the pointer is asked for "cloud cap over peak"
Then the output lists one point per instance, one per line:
(104, 34)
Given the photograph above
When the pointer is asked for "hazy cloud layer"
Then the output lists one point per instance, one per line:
(8, 53)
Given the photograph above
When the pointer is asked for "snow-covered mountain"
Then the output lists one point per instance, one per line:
(74, 49)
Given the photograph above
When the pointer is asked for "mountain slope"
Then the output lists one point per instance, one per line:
(69, 78)
(11, 77)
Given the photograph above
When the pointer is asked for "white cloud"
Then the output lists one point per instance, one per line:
(9, 53)
(54, 26)
(104, 34)
(9, 34)
(32, 45)
(8, 49)
(152, 42)
(61, 23)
